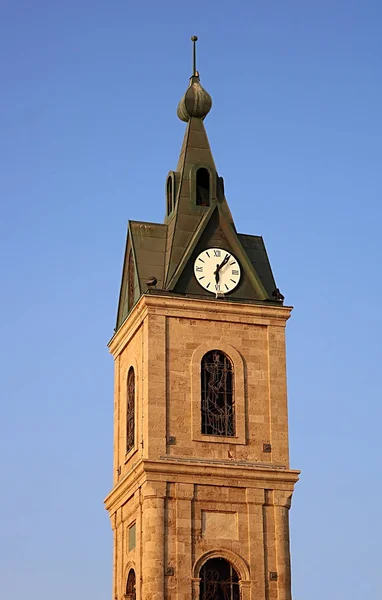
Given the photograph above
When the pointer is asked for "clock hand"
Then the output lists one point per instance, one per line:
(224, 262)
(218, 267)
(216, 273)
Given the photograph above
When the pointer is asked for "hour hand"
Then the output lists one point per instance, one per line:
(217, 277)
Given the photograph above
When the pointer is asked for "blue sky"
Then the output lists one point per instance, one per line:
(89, 132)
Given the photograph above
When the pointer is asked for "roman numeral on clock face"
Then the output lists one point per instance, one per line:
(217, 253)
(201, 270)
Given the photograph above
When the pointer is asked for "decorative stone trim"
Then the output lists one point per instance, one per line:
(195, 583)
(283, 498)
(236, 561)
(245, 589)
(129, 565)
(239, 391)
(193, 308)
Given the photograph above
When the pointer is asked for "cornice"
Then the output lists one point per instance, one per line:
(196, 308)
(201, 472)
(128, 327)
(206, 472)
(125, 488)
(218, 308)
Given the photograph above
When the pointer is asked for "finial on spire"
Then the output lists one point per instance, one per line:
(194, 39)
(196, 102)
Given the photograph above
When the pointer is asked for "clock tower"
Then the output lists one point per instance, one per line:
(202, 483)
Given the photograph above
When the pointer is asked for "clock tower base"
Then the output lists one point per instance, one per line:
(193, 512)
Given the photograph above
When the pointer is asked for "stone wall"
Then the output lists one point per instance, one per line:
(189, 496)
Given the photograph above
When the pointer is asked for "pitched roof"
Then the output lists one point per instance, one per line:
(166, 251)
(195, 151)
(254, 247)
(147, 243)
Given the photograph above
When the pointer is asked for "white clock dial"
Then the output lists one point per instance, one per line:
(217, 270)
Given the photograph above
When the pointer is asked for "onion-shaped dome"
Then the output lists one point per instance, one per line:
(196, 102)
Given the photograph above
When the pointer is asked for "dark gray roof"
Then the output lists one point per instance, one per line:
(166, 251)
(255, 249)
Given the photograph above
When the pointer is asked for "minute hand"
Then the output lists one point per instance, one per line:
(224, 262)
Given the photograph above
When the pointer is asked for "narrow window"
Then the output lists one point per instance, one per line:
(218, 403)
(202, 187)
(130, 586)
(130, 410)
(131, 282)
(170, 205)
(219, 581)
(132, 537)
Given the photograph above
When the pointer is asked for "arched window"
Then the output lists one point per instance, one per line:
(131, 282)
(202, 187)
(130, 410)
(218, 402)
(219, 581)
(130, 586)
(170, 196)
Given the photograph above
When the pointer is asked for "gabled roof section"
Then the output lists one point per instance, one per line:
(189, 224)
(198, 217)
(203, 222)
(195, 152)
(146, 242)
(254, 247)
(217, 230)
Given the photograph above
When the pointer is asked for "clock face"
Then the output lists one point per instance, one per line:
(217, 270)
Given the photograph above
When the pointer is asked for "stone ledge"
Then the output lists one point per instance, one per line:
(192, 308)
(218, 473)
(222, 462)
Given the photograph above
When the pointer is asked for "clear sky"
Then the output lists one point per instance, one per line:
(88, 125)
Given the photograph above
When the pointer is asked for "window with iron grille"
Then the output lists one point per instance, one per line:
(130, 586)
(218, 402)
(130, 409)
(219, 581)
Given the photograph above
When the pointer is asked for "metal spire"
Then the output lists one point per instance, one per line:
(194, 39)
(196, 102)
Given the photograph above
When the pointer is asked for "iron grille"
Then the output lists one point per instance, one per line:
(130, 587)
(218, 406)
(219, 581)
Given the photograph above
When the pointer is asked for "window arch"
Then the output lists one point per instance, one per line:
(217, 391)
(219, 580)
(170, 195)
(131, 586)
(203, 187)
(130, 417)
(131, 281)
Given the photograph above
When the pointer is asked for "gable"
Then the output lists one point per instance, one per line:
(149, 241)
(215, 235)
(145, 250)
(129, 277)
